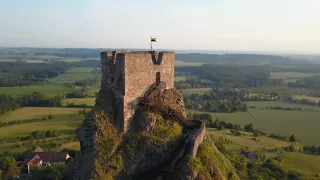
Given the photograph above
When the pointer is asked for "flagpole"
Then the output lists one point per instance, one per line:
(151, 42)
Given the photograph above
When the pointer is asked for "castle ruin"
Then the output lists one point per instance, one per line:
(130, 74)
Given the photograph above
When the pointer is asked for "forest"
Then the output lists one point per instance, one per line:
(21, 74)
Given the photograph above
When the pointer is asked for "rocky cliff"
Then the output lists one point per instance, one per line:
(146, 149)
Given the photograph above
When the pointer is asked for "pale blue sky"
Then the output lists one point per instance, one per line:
(254, 25)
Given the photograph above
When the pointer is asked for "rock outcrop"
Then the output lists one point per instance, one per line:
(147, 147)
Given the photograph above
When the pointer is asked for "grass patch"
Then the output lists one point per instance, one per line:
(303, 124)
(36, 112)
(183, 64)
(303, 163)
(72, 146)
(64, 124)
(186, 92)
(49, 90)
(79, 101)
(209, 160)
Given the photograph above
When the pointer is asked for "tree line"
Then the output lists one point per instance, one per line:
(230, 75)
(21, 74)
(36, 99)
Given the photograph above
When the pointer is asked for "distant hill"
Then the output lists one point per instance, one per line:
(200, 56)
(236, 59)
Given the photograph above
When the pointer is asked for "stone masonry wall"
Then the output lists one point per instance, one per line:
(129, 74)
(112, 64)
(140, 73)
(197, 140)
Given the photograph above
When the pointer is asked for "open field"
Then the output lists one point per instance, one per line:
(75, 74)
(281, 90)
(70, 59)
(49, 90)
(303, 163)
(64, 124)
(179, 78)
(79, 101)
(19, 147)
(195, 90)
(182, 64)
(7, 60)
(264, 104)
(91, 91)
(34, 61)
(290, 76)
(306, 164)
(303, 124)
(36, 112)
(246, 141)
(306, 97)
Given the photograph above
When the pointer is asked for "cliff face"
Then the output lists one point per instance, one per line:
(107, 153)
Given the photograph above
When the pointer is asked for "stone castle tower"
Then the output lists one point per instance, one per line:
(130, 74)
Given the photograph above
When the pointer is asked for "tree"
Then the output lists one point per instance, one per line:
(291, 148)
(48, 134)
(306, 148)
(292, 138)
(249, 127)
(9, 166)
(56, 172)
(313, 149)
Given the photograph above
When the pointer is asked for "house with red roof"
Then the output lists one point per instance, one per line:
(40, 158)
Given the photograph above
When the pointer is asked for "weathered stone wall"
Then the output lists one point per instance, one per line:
(197, 139)
(140, 73)
(112, 64)
(129, 74)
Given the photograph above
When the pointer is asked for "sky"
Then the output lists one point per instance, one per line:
(232, 25)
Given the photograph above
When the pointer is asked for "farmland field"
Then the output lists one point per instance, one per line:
(79, 101)
(289, 75)
(264, 104)
(303, 163)
(64, 124)
(182, 64)
(179, 78)
(294, 161)
(303, 124)
(49, 90)
(36, 112)
(246, 141)
(76, 74)
(306, 97)
(195, 90)
(281, 90)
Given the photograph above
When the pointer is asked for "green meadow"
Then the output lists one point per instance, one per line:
(36, 113)
(79, 101)
(76, 74)
(303, 124)
(49, 90)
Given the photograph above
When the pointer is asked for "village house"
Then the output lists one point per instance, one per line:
(40, 158)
